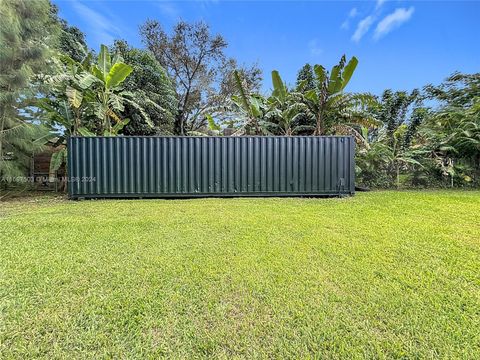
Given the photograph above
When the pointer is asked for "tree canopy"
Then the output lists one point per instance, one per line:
(25, 39)
(183, 83)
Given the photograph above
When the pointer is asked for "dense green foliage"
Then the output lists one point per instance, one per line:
(24, 32)
(453, 131)
(388, 148)
(420, 146)
(71, 40)
(305, 78)
(380, 275)
(183, 83)
(154, 93)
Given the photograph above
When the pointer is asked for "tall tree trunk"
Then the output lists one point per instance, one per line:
(179, 124)
(257, 127)
(451, 175)
(319, 128)
(398, 176)
(2, 121)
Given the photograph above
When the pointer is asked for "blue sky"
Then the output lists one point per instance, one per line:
(399, 44)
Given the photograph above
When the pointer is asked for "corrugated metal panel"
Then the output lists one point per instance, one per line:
(210, 166)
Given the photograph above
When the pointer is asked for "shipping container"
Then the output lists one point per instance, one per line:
(177, 166)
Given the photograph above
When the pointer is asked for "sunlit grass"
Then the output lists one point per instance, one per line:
(387, 274)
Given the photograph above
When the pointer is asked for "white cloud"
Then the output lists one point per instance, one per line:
(103, 29)
(168, 9)
(346, 24)
(379, 4)
(362, 28)
(392, 21)
(314, 47)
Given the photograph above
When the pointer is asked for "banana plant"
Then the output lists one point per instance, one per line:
(285, 108)
(328, 99)
(67, 105)
(82, 92)
(252, 106)
(66, 116)
(66, 109)
(105, 80)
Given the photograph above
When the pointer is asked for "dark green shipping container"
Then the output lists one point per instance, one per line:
(120, 167)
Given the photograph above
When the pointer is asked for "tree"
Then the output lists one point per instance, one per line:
(399, 116)
(195, 59)
(155, 89)
(104, 80)
(380, 163)
(191, 56)
(250, 107)
(88, 99)
(66, 107)
(372, 165)
(401, 156)
(329, 85)
(458, 90)
(458, 115)
(337, 112)
(286, 108)
(71, 40)
(305, 78)
(305, 82)
(220, 104)
(396, 109)
(444, 135)
(419, 114)
(25, 32)
(452, 132)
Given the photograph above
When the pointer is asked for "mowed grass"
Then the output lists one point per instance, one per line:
(379, 275)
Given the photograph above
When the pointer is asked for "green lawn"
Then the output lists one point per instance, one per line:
(379, 275)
